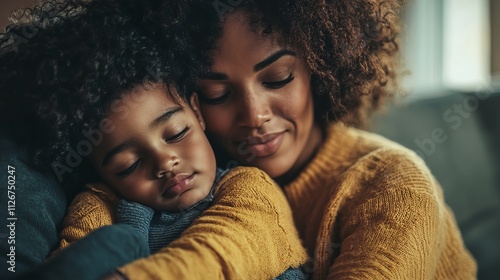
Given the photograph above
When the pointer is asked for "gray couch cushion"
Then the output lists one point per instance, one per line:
(40, 205)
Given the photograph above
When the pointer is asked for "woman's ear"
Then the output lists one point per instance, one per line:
(195, 105)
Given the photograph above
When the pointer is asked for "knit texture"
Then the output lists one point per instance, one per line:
(368, 208)
(248, 232)
(89, 210)
(161, 227)
(136, 215)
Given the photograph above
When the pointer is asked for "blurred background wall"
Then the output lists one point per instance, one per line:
(495, 35)
(450, 44)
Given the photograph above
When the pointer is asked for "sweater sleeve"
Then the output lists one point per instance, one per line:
(247, 234)
(88, 212)
(396, 229)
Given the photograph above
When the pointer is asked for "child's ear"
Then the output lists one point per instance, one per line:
(195, 105)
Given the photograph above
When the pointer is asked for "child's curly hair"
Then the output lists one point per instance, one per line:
(62, 64)
(350, 46)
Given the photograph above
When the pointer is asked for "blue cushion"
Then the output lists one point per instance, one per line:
(40, 205)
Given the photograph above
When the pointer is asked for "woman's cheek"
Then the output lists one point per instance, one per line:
(218, 122)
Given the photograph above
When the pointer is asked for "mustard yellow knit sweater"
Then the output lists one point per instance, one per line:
(367, 208)
(248, 232)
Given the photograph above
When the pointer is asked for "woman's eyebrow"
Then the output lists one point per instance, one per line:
(272, 58)
(259, 66)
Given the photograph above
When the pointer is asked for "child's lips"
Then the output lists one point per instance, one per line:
(178, 184)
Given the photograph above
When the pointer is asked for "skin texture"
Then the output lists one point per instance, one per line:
(153, 149)
(261, 113)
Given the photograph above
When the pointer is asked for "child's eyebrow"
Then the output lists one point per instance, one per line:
(165, 116)
(114, 151)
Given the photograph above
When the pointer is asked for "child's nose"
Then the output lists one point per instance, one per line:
(166, 164)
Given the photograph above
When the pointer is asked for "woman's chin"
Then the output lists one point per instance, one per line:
(273, 167)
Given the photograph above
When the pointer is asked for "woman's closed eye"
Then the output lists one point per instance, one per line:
(221, 98)
(130, 169)
(213, 101)
(279, 84)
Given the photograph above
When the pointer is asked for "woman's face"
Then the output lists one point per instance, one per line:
(257, 101)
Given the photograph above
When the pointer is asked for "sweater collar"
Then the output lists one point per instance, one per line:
(334, 153)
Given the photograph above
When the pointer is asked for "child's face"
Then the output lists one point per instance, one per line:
(156, 152)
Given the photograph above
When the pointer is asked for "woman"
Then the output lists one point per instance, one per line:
(285, 81)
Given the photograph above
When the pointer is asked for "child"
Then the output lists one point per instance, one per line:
(103, 104)
(160, 170)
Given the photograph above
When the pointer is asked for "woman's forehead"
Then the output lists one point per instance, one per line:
(239, 40)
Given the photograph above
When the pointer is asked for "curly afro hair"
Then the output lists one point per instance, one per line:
(62, 64)
(350, 46)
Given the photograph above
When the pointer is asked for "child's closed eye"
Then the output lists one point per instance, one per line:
(130, 169)
(178, 137)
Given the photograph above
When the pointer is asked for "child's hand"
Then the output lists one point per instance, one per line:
(134, 214)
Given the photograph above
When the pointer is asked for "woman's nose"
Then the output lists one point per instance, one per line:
(254, 110)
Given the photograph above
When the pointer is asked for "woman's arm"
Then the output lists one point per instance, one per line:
(247, 234)
(398, 227)
(395, 235)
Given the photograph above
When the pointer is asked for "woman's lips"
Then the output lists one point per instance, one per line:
(177, 184)
(264, 146)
